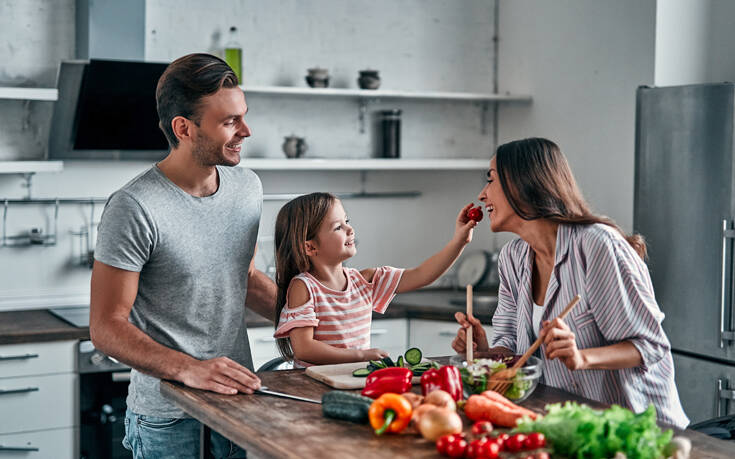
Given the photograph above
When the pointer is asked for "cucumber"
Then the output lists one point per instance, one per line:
(399, 362)
(361, 372)
(388, 361)
(413, 356)
(347, 406)
(378, 364)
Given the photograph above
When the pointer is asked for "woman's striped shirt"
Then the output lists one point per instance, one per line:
(341, 318)
(618, 304)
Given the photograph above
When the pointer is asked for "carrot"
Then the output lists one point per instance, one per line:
(481, 408)
(492, 395)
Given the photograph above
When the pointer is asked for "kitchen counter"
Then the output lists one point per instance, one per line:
(36, 325)
(276, 427)
(40, 325)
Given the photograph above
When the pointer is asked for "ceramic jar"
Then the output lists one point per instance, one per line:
(369, 79)
(294, 146)
(317, 77)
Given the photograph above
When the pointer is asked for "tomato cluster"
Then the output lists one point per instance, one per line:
(485, 446)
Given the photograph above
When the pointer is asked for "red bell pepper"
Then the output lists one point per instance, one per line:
(396, 380)
(446, 378)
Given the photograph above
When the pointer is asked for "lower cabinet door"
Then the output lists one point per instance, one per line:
(38, 402)
(434, 337)
(43, 444)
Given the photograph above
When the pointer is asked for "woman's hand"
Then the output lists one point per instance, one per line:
(464, 226)
(479, 338)
(559, 343)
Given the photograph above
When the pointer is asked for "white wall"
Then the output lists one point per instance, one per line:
(431, 45)
(582, 61)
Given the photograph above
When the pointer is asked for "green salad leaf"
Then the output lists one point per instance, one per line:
(578, 431)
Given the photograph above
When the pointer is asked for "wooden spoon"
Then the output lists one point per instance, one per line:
(502, 377)
(469, 330)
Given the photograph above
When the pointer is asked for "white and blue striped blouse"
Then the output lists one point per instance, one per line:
(617, 304)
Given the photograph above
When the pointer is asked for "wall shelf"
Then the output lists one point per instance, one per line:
(49, 94)
(30, 167)
(386, 94)
(377, 164)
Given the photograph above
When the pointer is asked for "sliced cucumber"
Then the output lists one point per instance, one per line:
(413, 356)
(378, 364)
(399, 362)
(388, 361)
(361, 372)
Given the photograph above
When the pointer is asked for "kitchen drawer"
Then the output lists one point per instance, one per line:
(38, 402)
(434, 337)
(37, 358)
(45, 444)
(391, 335)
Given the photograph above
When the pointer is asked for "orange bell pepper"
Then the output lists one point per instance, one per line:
(390, 413)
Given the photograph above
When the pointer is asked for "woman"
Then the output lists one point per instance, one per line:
(611, 347)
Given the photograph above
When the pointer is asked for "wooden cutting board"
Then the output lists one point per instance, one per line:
(339, 376)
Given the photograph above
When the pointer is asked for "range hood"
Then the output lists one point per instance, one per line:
(107, 110)
(106, 107)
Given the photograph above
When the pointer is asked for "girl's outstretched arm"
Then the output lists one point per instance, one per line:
(430, 270)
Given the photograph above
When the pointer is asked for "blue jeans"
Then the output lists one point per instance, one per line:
(149, 437)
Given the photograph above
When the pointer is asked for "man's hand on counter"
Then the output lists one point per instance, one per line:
(221, 375)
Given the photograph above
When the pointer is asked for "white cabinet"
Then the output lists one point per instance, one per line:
(45, 444)
(434, 337)
(39, 386)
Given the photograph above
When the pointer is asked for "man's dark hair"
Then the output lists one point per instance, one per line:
(183, 85)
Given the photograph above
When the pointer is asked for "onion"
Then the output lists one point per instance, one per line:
(414, 399)
(439, 421)
(441, 399)
(420, 411)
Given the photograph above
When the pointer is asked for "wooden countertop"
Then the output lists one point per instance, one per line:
(40, 325)
(276, 427)
(36, 326)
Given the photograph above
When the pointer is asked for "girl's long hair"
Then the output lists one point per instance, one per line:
(297, 222)
(538, 183)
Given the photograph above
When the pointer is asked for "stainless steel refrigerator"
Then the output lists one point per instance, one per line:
(685, 207)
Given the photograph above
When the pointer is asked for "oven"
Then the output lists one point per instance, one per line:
(103, 387)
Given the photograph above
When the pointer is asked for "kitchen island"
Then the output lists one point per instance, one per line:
(268, 426)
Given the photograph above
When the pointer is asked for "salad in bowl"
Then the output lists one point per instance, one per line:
(477, 376)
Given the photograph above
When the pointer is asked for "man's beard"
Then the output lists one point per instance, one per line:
(208, 153)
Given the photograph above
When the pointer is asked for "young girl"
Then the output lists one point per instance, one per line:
(324, 310)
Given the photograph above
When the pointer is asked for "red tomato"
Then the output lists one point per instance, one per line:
(535, 440)
(489, 449)
(515, 442)
(474, 450)
(457, 448)
(482, 428)
(501, 439)
(443, 442)
(474, 213)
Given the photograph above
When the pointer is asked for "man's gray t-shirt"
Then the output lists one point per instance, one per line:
(193, 256)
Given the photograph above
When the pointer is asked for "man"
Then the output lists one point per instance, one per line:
(174, 266)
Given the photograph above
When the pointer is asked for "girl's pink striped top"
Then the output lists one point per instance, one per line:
(342, 318)
(618, 304)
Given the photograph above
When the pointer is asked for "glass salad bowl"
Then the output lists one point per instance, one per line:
(477, 377)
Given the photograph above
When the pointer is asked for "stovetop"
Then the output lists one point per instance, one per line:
(75, 315)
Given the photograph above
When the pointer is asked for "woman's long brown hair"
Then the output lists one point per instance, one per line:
(538, 183)
(297, 222)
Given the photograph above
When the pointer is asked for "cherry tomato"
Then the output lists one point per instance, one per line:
(482, 428)
(474, 213)
(443, 442)
(474, 450)
(489, 449)
(515, 442)
(457, 448)
(535, 440)
(501, 438)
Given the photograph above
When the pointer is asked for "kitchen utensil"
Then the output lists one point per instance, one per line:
(468, 341)
(473, 268)
(265, 391)
(502, 379)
